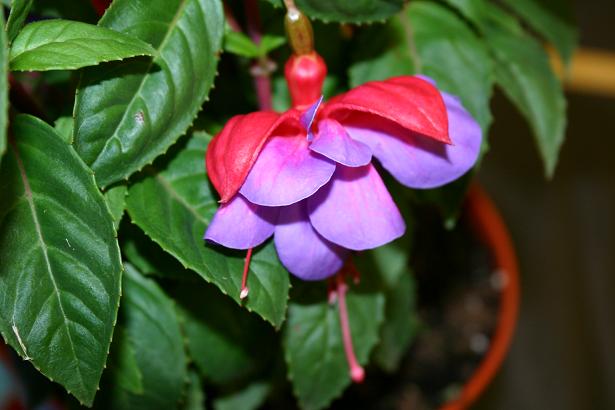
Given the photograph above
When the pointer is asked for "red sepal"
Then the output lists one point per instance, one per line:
(100, 6)
(409, 101)
(233, 151)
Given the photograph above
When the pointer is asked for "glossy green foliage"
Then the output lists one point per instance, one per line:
(129, 113)
(151, 369)
(130, 163)
(523, 71)
(228, 344)
(195, 396)
(116, 200)
(552, 19)
(173, 205)
(389, 266)
(68, 45)
(19, 12)
(60, 271)
(242, 45)
(400, 324)
(4, 87)
(383, 51)
(348, 11)
(451, 53)
(249, 398)
(313, 346)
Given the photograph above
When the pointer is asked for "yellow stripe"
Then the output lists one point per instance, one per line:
(592, 71)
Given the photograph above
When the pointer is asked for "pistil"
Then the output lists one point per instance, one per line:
(357, 374)
(244, 278)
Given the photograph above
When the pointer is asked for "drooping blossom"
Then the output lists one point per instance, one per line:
(307, 176)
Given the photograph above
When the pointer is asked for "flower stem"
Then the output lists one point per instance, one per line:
(290, 4)
(244, 278)
(357, 374)
(261, 68)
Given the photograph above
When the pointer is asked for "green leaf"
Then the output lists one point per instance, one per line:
(242, 45)
(151, 330)
(116, 200)
(173, 206)
(314, 351)
(552, 19)
(251, 397)
(19, 13)
(123, 364)
(382, 51)
(4, 87)
(60, 271)
(454, 56)
(428, 39)
(228, 344)
(389, 263)
(68, 45)
(523, 71)
(356, 11)
(270, 42)
(128, 114)
(195, 398)
(148, 257)
(64, 128)
(400, 325)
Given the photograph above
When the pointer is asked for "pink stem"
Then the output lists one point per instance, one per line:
(357, 374)
(262, 80)
(244, 278)
(230, 19)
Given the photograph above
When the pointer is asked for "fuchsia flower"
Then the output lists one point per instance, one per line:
(307, 176)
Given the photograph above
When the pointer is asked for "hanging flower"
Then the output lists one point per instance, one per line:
(307, 176)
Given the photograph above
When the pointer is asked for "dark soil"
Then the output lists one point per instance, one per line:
(458, 302)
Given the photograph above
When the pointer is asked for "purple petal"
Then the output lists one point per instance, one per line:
(417, 161)
(286, 172)
(301, 249)
(333, 142)
(307, 118)
(240, 224)
(355, 210)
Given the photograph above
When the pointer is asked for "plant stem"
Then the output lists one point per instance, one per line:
(290, 4)
(261, 68)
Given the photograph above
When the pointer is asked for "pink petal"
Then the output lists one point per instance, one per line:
(333, 142)
(233, 151)
(301, 249)
(239, 224)
(286, 172)
(355, 210)
(417, 161)
(307, 118)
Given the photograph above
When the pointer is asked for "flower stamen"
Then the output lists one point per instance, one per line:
(244, 278)
(357, 374)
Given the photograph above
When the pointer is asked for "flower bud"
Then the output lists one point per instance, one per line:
(299, 32)
(305, 75)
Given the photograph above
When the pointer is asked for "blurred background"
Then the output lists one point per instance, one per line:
(562, 355)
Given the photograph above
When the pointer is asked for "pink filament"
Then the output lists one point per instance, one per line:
(244, 279)
(357, 374)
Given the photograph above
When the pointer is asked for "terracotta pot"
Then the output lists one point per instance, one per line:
(492, 232)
